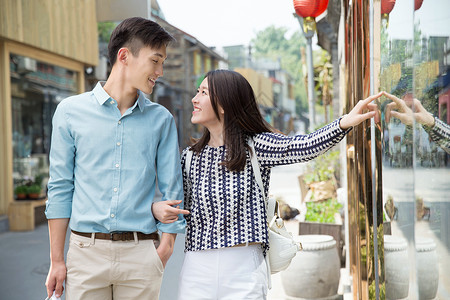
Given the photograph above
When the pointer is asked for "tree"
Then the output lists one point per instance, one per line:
(323, 80)
(272, 43)
(104, 31)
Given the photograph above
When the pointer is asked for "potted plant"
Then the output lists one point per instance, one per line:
(323, 211)
(34, 191)
(21, 192)
(322, 177)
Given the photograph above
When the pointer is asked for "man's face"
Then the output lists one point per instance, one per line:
(146, 67)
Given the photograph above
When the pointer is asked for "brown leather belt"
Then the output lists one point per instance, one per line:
(243, 245)
(119, 236)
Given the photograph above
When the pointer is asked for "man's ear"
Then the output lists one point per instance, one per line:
(122, 55)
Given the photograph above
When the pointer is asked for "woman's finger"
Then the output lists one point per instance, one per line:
(392, 106)
(371, 98)
(368, 115)
(372, 106)
(394, 98)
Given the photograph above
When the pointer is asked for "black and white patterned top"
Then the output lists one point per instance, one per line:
(440, 133)
(227, 208)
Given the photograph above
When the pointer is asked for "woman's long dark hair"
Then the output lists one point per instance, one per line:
(242, 119)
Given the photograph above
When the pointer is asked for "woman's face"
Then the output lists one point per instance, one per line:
(203, 113)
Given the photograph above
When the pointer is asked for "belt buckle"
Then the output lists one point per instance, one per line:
(111, 236)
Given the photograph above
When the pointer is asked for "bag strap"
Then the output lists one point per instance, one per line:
(187, 162)
(271, 203)
(255, 166)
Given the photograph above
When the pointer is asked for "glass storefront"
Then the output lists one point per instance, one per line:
(36, 89)
(415, 65)
(399, 203)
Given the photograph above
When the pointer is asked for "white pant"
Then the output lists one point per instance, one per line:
(235, 273)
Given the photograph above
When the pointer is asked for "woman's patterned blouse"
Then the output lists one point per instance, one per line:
(227, 208)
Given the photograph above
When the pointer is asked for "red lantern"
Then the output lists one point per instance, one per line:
(417, 4)
(387, 6)
(310, 8)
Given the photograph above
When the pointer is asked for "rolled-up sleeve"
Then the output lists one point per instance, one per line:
(168, 169)
(62, 160)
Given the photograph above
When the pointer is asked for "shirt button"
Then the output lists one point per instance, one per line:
(115, 189)
(112, 102)
(120, 122)
(118, 143)
(117, 165)
(113, 215)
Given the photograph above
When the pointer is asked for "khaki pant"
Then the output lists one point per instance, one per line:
(104, 270)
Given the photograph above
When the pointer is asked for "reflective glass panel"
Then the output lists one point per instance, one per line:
(415, 148)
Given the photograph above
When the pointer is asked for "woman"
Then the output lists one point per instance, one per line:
(226, 236)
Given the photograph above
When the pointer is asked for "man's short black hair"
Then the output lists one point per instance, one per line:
(134, 33)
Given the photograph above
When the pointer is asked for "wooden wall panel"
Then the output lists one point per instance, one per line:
(6, 182)
(64, 27)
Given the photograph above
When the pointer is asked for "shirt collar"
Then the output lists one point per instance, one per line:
(141, 101)
(102, 96)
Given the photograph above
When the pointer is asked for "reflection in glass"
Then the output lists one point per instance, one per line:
(396, 78)
(415, 72)
(432, 168)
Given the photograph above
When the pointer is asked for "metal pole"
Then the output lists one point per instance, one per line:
(309, 62)
(373, 156)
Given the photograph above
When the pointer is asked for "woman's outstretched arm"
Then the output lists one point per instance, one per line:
(275, 149)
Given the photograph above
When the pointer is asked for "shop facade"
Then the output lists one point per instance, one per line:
(397, 174)
(45, 47)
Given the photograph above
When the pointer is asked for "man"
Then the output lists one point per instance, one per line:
(108, 146)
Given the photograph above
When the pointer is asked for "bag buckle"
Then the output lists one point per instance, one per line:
(279, 222)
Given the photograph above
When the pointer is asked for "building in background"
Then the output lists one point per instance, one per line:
(273, 86)
(188, 60)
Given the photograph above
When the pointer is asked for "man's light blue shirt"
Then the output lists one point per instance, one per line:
(103, 165)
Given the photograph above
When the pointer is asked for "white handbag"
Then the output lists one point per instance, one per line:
(282, 246)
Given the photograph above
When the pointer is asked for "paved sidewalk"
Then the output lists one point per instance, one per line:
(24, 263)
(24, 256)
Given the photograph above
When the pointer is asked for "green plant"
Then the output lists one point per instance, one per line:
(21, 190)
(323, 168)
(323, 211)
(34, 189)
(104, 30)
(372, 292)
(38, 179)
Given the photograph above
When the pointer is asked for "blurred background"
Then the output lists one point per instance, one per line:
(381, 195)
